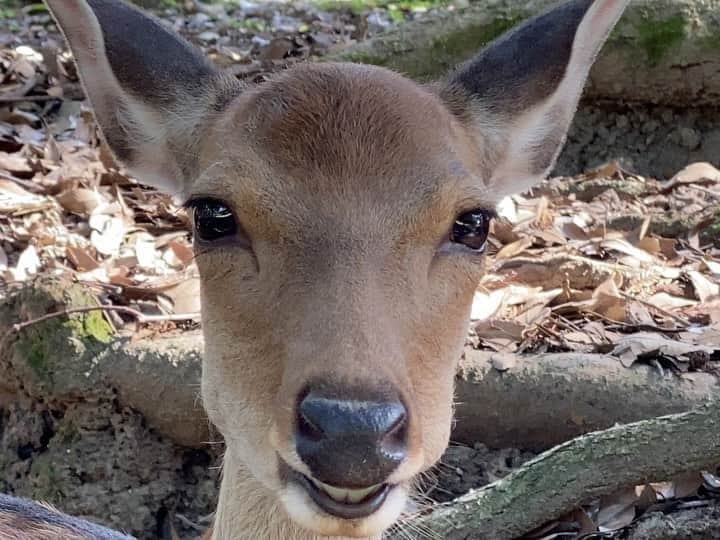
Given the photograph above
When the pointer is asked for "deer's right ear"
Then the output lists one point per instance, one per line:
(152, 92)
(520, 93)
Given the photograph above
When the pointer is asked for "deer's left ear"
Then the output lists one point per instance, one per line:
(519, 94)
(153, 94)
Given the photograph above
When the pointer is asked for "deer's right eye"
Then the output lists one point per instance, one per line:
(213, 219)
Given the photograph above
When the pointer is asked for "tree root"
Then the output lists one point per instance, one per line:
(589, 466)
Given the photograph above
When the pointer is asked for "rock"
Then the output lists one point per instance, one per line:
(661, 52)
(689, 138)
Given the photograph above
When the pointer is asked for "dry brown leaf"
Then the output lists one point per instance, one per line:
(81, 259)
(503, 361)
(705, 289)
(632, 346)
(14, 163)
(17, 200)
(551, 236)
(182, 251)
(80, 200)
(487, 305)
(107, 233)
(650, 244)
(617, 510)
(646, 497)
(713, 266)
(669, 302)
(637, 313)
(687, 484)
(695, 173)
(607, 301)
(28, 264)
(623, 246)
(511, 250)
(496, 328)
(574, 231)
(579, 337)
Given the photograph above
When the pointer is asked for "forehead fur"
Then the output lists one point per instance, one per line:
(337, 121)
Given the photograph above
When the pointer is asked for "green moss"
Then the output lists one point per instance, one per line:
(459, 44)
(92, 326)
(50, 346)
(46, 480)
(712, 41)
(657, 37)
(712, 233)
(66, 433)
(443, 53)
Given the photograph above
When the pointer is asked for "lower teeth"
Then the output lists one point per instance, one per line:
(351, 496)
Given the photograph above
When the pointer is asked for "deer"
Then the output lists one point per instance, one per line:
(340, 218)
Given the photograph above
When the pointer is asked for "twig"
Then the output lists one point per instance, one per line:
(650, 305)
(27, 184)
(639, 326)
(20, 99)
(140, 317)
(705, 190)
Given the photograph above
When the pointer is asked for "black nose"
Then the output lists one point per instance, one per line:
(351, 443)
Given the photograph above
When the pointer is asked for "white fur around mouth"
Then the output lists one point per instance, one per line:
(348, 496)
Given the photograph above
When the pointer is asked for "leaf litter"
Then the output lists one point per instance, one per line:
(605, 261)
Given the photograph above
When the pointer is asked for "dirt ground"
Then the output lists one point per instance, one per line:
(106, 465)
(650, 140)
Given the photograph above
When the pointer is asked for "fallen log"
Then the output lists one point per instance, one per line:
(662, 51)
(558, 480)
(561, 396)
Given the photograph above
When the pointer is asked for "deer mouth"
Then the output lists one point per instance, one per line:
(342, 502)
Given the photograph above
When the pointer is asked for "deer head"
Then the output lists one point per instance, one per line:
(341, 213)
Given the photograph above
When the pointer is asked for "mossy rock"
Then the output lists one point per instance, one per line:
(55, 355)
(661, 51)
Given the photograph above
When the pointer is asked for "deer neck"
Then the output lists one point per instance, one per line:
(249, 510)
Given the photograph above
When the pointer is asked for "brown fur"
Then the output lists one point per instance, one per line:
(345, 181)
(13, 527)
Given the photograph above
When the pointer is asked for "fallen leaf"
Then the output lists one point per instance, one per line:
(183, 252)
(486, 305)
(503, 361)
(713, 266)
(28, 264)
(80, 200)
(514, 248)
(669, 302)
(704, 288)
(623, 246)
(617, 510)
(81, 259)
(695, 173)
(107, 233)
(632, 346)
(494, 328)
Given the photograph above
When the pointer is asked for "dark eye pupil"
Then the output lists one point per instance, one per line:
(471, 229)
(213, 220)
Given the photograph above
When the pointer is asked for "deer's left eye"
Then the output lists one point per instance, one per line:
(471, 229)
(213, 219)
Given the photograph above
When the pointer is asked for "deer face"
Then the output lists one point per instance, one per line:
(337, 307)
(340, 215)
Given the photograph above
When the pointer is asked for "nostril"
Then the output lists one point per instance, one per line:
(310, 419)
(308, 429)
(397, 429)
